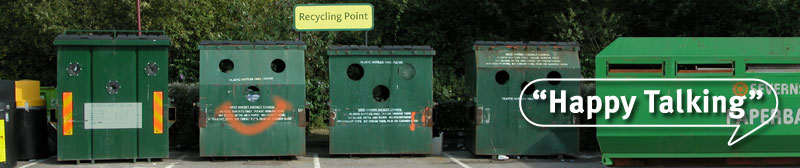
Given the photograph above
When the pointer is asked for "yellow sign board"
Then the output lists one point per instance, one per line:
(333, 17)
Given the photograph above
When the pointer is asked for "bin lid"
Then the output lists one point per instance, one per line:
(251, 45)
(142, 37)
(7, 91)
(659, 47)
(499, 43)
(363, 50)
(27, 92)
(258, 42)
(111, 38)
(531, 45)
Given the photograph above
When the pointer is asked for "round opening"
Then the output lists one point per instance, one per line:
(501, 77)
(151, 69)
(112, 87)
(380, 93)
(355, 71)
(252, 94)
(278, 65)
(555, 75)
(225, 66)
(530, 88)
(73, 69)
(406, 71)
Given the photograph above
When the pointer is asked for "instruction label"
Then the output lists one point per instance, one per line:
(250, 113)
(375, 116)
(526, 59)
(247, 79)
(380, 62)
(113, 115)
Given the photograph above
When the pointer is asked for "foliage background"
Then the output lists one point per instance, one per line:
(449, 26)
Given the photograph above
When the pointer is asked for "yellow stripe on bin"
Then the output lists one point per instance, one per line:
(66, 114)
(158, 112)
(3, 141)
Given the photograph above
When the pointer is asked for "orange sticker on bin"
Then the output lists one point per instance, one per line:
(66, 113)
(158, 112)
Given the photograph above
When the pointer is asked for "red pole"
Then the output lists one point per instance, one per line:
(139, 17)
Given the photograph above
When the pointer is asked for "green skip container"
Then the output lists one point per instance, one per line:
(496, 72)
(112, 95)
(774, 60)
(252, 98)
(381, 99)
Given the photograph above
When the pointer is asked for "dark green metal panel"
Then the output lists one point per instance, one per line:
(77, 146)
(151, 144)
(496, 72)
(102, 69)
(114, 64)
(250, 131)
(401, 123)
(775, 60)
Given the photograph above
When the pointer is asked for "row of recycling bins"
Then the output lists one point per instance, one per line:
(112, 96)
(112, 92)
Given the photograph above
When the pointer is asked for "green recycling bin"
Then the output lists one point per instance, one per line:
(252, 98)
(48, 93)
(381, 99)
(774, 60)
(496, 72)
(112, 95)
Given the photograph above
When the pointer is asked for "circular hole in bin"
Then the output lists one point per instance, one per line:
(406, 71)
(501, 77)
(73, 69)
(278, 65)
(355, 72)
(555, 75)
(380, 93)
(151, 69)
(530, 88)
(113, 87)
(252, 94)
(226, 66)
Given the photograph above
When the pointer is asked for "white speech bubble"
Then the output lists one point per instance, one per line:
(731, 141)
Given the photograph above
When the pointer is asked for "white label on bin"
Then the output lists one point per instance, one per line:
(527, 59)
(112, 115)
(376, 116)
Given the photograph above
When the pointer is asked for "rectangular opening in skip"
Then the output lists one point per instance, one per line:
(636, 68)
(772, 68)
(705, 68)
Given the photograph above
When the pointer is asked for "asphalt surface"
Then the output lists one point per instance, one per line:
(317, 158)
(450, 159)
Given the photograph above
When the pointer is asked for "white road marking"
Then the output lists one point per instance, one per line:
(456, 160)
(316, 161)
(34, 163)
(175, 163)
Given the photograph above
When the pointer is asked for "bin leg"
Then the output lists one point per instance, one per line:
(148, 160)
(607, 161)
(92, 161)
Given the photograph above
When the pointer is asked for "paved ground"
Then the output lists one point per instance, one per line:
(454, 159)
